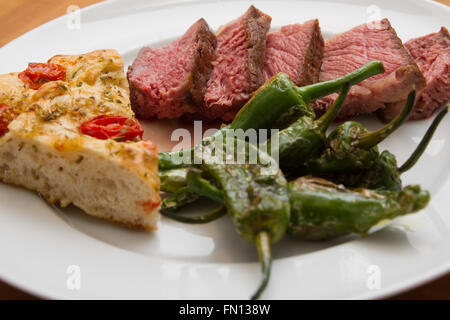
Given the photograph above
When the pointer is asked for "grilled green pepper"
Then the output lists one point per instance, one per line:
(384, 173)
(305, 138)
(254, 193)
(256, 196)
(350, 146)
(191, 187)
(179, 198)
(322, 210)
(275, 105)
(194, 187)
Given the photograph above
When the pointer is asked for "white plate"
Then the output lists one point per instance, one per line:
(37, 245)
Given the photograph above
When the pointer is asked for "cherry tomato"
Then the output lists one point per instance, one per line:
(39, 73)
(120, 128)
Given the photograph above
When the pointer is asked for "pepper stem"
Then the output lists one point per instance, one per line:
(324, 121)
(415, 156)
(265, 258)
(210, 216)
(371, 139)
(322, 89)
(203, 187)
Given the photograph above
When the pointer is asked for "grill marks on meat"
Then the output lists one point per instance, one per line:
(296, 50)
(238, 67)
(432, 54)
(168, 82)
(350, 50)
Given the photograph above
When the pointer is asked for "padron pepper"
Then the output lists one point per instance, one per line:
(322, 210)
(195, 186)
(253, 191)
(305, 138)
(275, 105)
(192, 187)
(256, 196)
(384, 174)
(350, 146)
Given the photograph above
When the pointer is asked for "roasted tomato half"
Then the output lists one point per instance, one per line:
(39, 73)
(119, 128)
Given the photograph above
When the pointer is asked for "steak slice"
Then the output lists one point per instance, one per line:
(170, 81)
(432, 55)
(296, 50)
(350, 50)
(238, 68)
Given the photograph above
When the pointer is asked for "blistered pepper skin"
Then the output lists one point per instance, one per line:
(255, 194)
(384, 174)
(341, 153)
(352, 147)
(305, 138)
(322, 210)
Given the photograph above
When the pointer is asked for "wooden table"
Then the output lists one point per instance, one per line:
(19, 16)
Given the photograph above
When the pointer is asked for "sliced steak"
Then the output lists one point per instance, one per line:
(350, 50)
(296, 50)
(432, 55)
(238, 68)
(170, 81)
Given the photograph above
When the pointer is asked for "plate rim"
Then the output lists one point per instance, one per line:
(394, 289)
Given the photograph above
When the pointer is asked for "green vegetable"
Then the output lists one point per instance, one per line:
(275, 105)
(254, 193)
(305, 138)
(384, 173)
(322, 210)
(190, 185)
(256, 196)
(179, 198)
(350, 146)
(202, 187)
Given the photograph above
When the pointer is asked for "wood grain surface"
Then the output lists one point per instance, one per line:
(20, 16)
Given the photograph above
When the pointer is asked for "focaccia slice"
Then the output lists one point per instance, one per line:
(44, 149)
